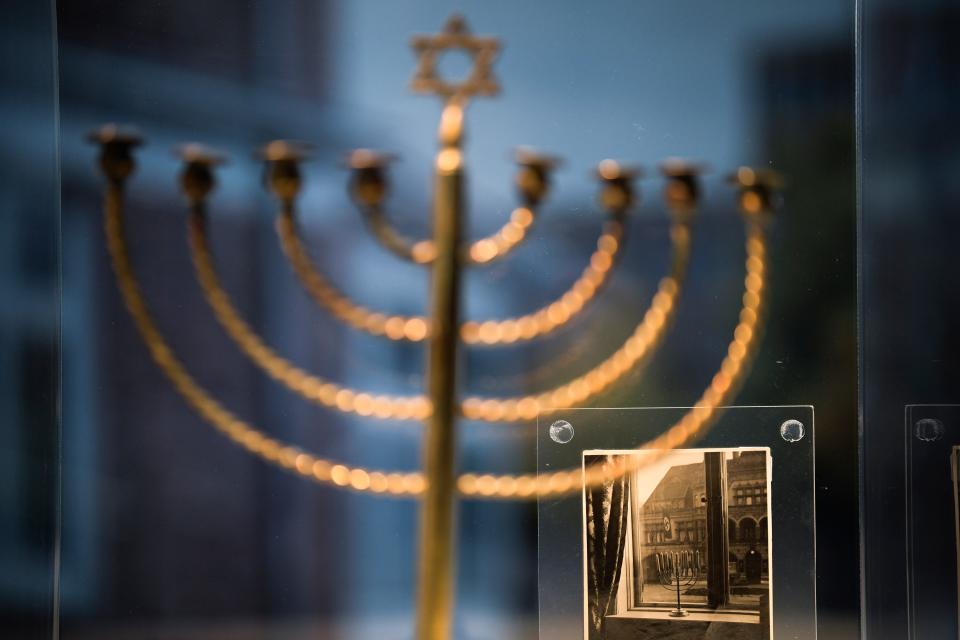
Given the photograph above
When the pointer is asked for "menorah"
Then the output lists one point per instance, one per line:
(446, 255)
(678, 570)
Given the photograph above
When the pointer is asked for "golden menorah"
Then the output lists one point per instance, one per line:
(438, 485)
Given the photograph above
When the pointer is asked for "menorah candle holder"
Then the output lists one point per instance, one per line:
(678, 570)
(446, 254)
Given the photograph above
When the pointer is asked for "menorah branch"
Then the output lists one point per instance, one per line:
(500, 487)
(339, 305)
(636, 350)
(416, 251)
(633, 353)
(479, 252)
(567, 306)
(503, 241)
(369, 186)
(535, 324)
(244, 435)
(691, 426)
(310, 386)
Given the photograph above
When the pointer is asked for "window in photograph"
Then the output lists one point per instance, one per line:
(690, 533)
(670, 516)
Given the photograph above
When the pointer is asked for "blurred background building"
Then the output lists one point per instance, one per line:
(162, 525)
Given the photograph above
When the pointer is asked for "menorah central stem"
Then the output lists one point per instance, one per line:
(436, 558)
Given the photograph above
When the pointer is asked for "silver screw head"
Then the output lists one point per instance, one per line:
(561, 432)
(792, 431)
(928, 429)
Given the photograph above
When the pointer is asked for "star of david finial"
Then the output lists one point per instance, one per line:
(455, 36)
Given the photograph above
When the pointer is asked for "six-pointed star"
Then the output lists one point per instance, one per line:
(455, 35)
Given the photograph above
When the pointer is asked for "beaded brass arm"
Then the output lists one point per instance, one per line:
(116, 161)
(369, 189)
(638, 348)
(472, 332)
(446, 254)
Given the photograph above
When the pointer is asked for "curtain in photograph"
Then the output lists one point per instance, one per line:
(606, 537)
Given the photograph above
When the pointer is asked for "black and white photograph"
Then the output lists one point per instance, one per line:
(680, 547)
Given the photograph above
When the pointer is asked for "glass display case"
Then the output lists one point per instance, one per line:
(318, 309)
(908, 237)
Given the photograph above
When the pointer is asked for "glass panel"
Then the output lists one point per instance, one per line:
(173, 530)
(638, 555)
(30, 328)
(909, 230)
(933, 519)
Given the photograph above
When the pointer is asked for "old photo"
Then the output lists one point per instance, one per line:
(681, 547)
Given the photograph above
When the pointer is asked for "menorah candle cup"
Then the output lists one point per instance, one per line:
(283, 158)
(117, 143)
(534, 173)
(617, 192)
(368, 180)
(197, 179)
(682, 189)
(758, 189)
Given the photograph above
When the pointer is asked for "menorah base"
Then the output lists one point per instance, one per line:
(679, 613)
